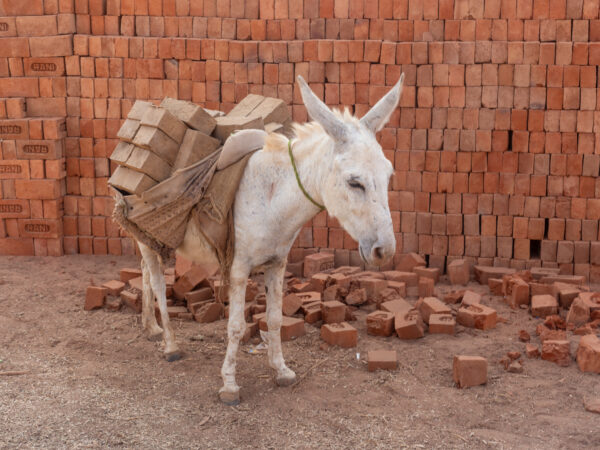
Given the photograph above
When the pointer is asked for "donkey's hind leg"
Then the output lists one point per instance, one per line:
(153, 331)
(230, 392)
(274, 285)
(159, 287)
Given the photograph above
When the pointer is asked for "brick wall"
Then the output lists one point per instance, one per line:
(495, 144)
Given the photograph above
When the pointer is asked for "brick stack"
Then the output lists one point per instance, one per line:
(495, 142)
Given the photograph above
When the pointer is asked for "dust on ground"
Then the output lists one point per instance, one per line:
(94, 381)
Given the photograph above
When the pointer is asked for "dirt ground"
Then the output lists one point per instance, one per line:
(94, 381)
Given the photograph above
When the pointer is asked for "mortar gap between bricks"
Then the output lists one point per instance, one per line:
(535, 246)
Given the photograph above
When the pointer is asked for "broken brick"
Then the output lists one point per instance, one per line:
(453, 297)
(557, 352)
(318, 282)
(532, 351)
(470, 298)
(312, 312)
(291, 327)
(132, 299)
(190, 279)
(407, 262)
(428, 272)
(469, 371)
(356, 297)
(95, 296)
(483, 273)
(495, 285)
(524, 336)
(373, 286)
(409, 278)
(340, 334)
(588, 354)
(382, 359)
(579, 312)
(334, 292)
(380, 323)
(129, 273)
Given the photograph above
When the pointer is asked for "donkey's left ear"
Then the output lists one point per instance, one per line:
(379, 114)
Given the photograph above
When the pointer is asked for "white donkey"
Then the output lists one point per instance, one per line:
(341, 167)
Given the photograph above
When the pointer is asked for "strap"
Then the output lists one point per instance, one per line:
(318, 205)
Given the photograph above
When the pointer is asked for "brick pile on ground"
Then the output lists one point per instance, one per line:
(158, 140)
(563, 302)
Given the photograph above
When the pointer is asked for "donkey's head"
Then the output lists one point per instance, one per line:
(355, 189)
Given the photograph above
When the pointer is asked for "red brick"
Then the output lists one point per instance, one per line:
(557, 351)
(409, 325)
(468, 371)
(95, 297)
(382, 359)
(340, 334)
(317, 262)
(588, 354)
(380, 323)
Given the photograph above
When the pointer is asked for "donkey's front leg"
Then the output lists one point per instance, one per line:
(149, 324)
(274, 286)
(230, 392)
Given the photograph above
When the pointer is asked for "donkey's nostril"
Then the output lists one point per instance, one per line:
(378, 251)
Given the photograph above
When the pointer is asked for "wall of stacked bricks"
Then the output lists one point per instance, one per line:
(495, 143)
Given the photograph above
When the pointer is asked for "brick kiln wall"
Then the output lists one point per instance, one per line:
(494, 145)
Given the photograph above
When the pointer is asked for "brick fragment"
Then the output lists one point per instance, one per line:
(409, 278)
(190, 279)
(114, 287)
(426, 287)
(312, 312)
(380, 323)
(95, 296)
(557, 351)
(579, 312)
(227, 125)
(357, 297)
(532, 351)
(469, 371)
(470, 298)
(543, 305)
(382, 359)
(340, 334)
(483, 273)
(588, 354)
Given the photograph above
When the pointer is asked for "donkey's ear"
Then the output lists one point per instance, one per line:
(320, 113)
(379, 114)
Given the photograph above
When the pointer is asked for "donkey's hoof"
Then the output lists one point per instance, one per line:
(173, 356)
(230, 398)
(286, 380)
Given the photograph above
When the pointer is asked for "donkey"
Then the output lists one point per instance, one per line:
(333, 163)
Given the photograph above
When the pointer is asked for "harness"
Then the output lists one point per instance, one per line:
(306, 194)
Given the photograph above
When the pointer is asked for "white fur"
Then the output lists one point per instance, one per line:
(270, 209)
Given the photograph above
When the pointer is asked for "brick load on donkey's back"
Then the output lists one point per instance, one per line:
(177, 189)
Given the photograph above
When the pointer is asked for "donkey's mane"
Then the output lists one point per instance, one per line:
(276, 142)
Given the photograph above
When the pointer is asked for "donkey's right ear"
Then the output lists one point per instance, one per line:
(320, 113)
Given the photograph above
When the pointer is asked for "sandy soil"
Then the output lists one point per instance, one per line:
(93, 381)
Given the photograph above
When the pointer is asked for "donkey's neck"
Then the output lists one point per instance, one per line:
(269, 185)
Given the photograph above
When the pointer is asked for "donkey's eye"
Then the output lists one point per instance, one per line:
(356, 185)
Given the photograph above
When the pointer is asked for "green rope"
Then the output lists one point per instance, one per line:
(318, 205)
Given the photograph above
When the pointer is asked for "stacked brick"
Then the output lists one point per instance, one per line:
(494, 143)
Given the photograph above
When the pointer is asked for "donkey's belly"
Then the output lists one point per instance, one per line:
(195, 248)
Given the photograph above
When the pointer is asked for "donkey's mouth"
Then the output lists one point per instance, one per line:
(362, 256)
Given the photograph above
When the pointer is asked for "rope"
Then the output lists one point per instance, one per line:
(306, 194)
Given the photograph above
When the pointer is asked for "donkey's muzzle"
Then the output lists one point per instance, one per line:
(381, 252)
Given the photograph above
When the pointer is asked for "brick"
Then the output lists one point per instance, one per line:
(588, 354)
(428, 272)
(356, 297)
(51, 46)
(145, 161)
(373, 286)
(380, 323)
(95, 296)
(483, 273)
(162, 119)
(396, 306)
(477, 316)
(470, 298)
(37, 25)
(441, 324)
(14, 129)
(317, 262)
(557, 351)
(426, 287)
(291, 303)
(195, 275)
(407, 262)
(333, 311)
(458, 272)
(209, 312)
(409, 325)
(382, 359)
(432, 305)
(468, 371)
(579, 312)
(340, 334)
(543, 305)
